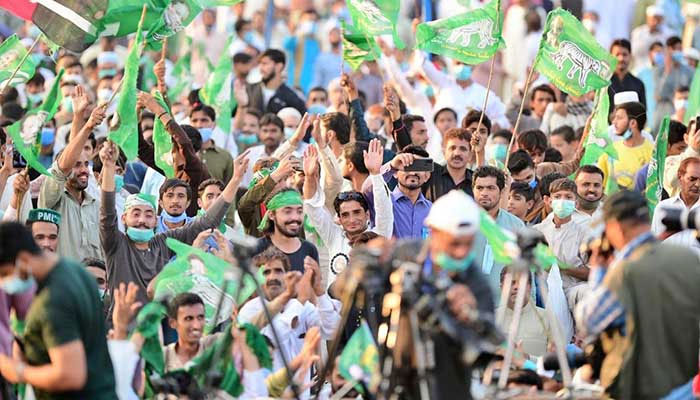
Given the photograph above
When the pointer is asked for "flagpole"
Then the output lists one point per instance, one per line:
(14, 73)
(520, 113)
(486, 99)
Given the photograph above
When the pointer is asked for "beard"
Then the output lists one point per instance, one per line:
(77, 185)
(267, 79)
(286, 231)
(413, 184)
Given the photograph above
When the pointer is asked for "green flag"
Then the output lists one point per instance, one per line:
(471, 37)
(12, 52)
(25, 133)
(359, 360)
(163, 143)
(570, 57)
(182, 75)
(148, 325)
(655, 173)
(502, 242)
(218, 3)
(693, 107)
(125, 131)
(376, 17)
(599, 142)
(358, 48)
(218, 91)
(196, 271)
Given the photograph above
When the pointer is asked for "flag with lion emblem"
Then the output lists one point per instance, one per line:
(11, 54)
(570, 57)
(376, 17)
(471, 37)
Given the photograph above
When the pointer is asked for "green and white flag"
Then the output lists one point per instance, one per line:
(124, 125)
(471, 37)
(148, 324)
(358, 48)
(182, 74)
(359, 360)
(218, 3)
(599, 141)
(217, 92)
(376, 17)
(655, 173)
(26, 133)
(12, 52)
(693, 107)
(570, 57)
(196, 271)
(163, 143)
(503, 243)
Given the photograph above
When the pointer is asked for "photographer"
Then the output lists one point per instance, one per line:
(643, 306)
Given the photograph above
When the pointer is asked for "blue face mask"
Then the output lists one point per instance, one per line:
(288, 132)
(118, 183)
(106, 72)
(659, 59)
(497, 152)
(248, 138)
(450, 264)
(173, 219)
(678, 57)
(464, 72)
(206, 134)
(533, 183)
(248, 37)
(140, 235)
(47, 136)
(563, 208)
(67, 104)
(101, 292)
(627, 134)
(317, 109)
(15, 284)
(35, 98)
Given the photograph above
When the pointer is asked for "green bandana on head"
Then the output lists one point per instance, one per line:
(282, 199)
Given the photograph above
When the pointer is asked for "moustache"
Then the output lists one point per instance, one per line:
(274, 282)
(293, 222)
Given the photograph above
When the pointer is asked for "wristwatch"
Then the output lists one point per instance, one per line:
(19, 371)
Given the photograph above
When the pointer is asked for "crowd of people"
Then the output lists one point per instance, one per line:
(321, 162)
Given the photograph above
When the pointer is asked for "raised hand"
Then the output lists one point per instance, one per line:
(96, 116)
(81, 101)
(147, 101)
(7, 159)
(199, 241)
(240, 165)
(311, 167)
(694, 138)
(319, 138)
(300, 132)
(291, 280)
(108, 154)
(402, 160)
(373, 157)
(312, 265)
(283, 170)
(349, 86)
(125, 307)
(240, 93)
(391, 102)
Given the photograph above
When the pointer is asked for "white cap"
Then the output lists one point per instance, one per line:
(692, 52)
(625, 97)
(289, 112)
(654, 11)
(455, 213)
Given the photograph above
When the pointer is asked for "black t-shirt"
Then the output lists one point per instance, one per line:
(296, 259)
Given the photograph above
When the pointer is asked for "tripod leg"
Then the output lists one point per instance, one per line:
(557, 333)
(513, 331)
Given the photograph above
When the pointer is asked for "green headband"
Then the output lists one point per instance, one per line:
(281, 199)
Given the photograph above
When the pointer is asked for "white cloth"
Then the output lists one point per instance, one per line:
(684, 238)
(558, 304)
(6, 196)
(124, 359)
(615, 19)
(152, 182)
(225, 140)
(565, 242)
(641, 40)
(254, 153)
(333, 235)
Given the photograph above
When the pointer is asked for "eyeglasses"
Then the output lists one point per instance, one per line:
(348, 196)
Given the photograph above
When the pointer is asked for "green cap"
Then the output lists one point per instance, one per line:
(44, 215)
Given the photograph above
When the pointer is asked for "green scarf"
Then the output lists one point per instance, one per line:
(286, 199)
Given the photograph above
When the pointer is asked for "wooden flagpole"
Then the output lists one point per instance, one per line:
(520, 113)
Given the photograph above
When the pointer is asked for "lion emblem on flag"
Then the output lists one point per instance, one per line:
(581, 62)
(372, 12)
(483, 28)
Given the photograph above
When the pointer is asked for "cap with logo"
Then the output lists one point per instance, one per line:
(44, 215)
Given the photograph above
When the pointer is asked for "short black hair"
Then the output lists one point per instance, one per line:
(442, 110)
(354, 153)
(474, 116)
(503, 133)
(193, 97)
(547, 180)
(12, 111)
(272, 253)
(15, 238)
(338, 123)
(636, 111)
(589, 169)
(242, 58)
(655, 44)
(238, 26)
(624, 43)
(10, 95)
(319, 89)
(350, 196)
(543, 88)
(676, 131)
(410, 119)
(525, 377)
(682, 88)
(672, 41)
(523, 189)
(205, 109)
(38, 79)
(272, 119)
(415, 150)
(520, 161)
(566, 132)
(552, 155)
(486, 171)
(562, 184)
(194, 135)
(174, 183)
(275, 55)
(94, 262)
(628, 206)
(181, 300)
(208, 182)
(532, 140)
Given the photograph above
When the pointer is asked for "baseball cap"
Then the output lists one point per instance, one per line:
(455, 213)
(44, 215)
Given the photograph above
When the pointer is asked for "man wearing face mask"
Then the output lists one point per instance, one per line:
(680, 103)
(64, 350)
(645, 73)
(175, 197)
(272, 94)
(34, 90)
(667, 78)
(213, 42)
(644, 35)
(140, 254)
(217, 160)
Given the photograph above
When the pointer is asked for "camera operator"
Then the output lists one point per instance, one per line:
(644, 306)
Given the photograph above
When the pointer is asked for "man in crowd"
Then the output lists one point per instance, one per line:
(565, 141)
(218, 161)
(645, 35)
(622, 79)
(271, 135)
(64, 346)
(174, 198)
(44, 225)
(272, 94)
(410, 207)
(521, 199)
(455, 174)
(667, 78)
(589, 191)
(540, 97)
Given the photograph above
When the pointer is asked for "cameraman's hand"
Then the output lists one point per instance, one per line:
(599, 258)
(461, 302)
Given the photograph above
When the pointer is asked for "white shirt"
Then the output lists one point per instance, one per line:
(565, 242)
(684, 238)
(333, 235)
(642, 38)
(225, 140)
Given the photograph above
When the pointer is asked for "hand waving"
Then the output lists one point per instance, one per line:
(311, 167)
(81, 101)
(125, 307)
(373, 157)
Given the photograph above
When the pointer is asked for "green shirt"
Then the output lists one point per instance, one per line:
(67, 307)
(219, 163)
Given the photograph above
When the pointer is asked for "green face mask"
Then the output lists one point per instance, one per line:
(140, 235)
(118, 183)
(67, 104)
(450, 264)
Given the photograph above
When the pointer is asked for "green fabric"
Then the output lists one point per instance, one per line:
(12, 52)
(502, 242)
(376, 17)
(148, 324)
(181, 73)
(163, 143)
(125, 133)
(283, 199)
(217, 3)
(258, 345)
(218, 90)
(471, 37)
(599, 141)
(67, 308)
(358, 48)
(693, 107)
(545, 258)
(359, 360)
(197, 271)
(570, 57)
(44, 215)
(260, 175)
(25, 133)
(655, 173)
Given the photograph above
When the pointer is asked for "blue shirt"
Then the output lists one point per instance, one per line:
(309, 50)
(409, 217)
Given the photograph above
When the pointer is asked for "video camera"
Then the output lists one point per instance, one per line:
(676, 219)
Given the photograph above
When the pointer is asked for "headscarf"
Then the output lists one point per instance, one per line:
(282, 199)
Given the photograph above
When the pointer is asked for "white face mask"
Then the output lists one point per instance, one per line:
(680, 104)
(104, 94)
(590, 25)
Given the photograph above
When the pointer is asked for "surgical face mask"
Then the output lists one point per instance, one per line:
(464, 72)
(248, 138)
(627, 134)
(106, 72)
(306, 28)
(447, 263)
(101, 292)
(497, 152)
(678, 57)
(288, 132)
(533, 183)
(680, 104)
(206, 134)
(35, 98)
(659, 59)
(172, 219)
(563, 208)
(317, 108)
(77, 78)
(118, 183)
(140, 235)
(67, 104)
(15, 284)
(104, 94)
(589, 24)
(426, 89)
(47, 136)
(586, 204)
(248, 37)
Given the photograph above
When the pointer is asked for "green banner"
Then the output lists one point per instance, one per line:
(376, 17)
(12, 52)
(655, 173)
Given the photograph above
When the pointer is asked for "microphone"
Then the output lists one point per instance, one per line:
(574, 357)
